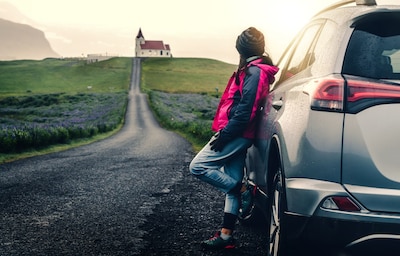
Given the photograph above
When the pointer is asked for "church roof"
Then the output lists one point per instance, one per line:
(154, 45)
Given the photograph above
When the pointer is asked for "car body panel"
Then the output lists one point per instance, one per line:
(304, 196)
(371, 160)
(315, 133)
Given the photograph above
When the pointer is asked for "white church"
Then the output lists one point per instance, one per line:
(151, 48)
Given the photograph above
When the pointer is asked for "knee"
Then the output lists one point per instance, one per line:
(194, 169)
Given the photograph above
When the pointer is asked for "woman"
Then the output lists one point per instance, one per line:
(221, 161)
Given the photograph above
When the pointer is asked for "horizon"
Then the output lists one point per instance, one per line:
(196, 29)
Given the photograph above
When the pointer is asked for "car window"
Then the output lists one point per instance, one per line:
(282, 63)
(325, 49)
(300, 56)
(393, 56)
(374, 48)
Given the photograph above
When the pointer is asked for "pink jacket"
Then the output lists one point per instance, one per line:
(239, 104)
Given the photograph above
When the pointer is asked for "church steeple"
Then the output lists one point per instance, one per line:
(140, 34)
(139, 41)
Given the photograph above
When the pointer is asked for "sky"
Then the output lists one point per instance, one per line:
(193, 28)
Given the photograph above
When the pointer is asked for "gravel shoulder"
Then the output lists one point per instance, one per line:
(190, 213)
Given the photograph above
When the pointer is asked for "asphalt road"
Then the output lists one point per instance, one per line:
(92, 200)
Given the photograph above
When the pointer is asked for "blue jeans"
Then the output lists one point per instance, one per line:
(223, 169)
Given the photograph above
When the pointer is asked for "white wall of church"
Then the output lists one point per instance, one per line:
(153, 53)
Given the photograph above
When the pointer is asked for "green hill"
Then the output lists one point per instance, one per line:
(185, 75)
(182, 75)
(70, 76)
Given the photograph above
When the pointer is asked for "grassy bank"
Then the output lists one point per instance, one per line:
(184, 94)
(59, 102)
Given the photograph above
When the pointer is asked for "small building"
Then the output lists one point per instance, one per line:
(151, 48)
(92, 58)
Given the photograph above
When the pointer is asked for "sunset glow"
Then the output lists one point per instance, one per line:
(205, 28)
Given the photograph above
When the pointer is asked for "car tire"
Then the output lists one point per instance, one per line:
(277, 230)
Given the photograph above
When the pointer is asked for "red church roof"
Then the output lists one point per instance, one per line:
(153, 45)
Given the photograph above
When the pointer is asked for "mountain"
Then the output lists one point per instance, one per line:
(20, 41)
(11, 13)
(71, 40)
(20, 38)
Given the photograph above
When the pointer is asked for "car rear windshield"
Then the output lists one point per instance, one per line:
(374, 48)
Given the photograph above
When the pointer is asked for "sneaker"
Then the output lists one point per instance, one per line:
(217, 243)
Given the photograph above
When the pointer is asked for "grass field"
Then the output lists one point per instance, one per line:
(27, 77)
(57, 101)
(173, 75)
(185, 75)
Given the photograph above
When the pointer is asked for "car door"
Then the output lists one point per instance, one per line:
(310, 144)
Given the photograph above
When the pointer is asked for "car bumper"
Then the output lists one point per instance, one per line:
(308, 220)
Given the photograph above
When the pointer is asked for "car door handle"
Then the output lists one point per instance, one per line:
(277, 104)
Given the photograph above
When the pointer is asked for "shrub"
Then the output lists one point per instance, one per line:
(8, 141)
(63, 134)
(45, 120)
(189, 114)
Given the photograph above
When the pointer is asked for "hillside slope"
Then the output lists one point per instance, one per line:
(19, 41)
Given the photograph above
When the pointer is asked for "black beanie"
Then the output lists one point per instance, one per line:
(250, 43)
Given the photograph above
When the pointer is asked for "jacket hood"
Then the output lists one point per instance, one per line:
(268, 69)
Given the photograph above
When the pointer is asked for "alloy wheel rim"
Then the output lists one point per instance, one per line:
(275, 219)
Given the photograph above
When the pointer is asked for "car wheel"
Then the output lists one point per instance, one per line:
(277, 231)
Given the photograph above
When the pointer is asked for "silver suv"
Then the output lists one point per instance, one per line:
(326, 165)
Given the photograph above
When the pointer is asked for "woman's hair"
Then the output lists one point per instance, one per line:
(265, 59)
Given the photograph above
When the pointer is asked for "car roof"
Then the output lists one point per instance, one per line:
(348, 13)
(344, 17)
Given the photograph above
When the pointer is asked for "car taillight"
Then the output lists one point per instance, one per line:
(362, 94)
(362, 90)
(328, 94)
(340, 203)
